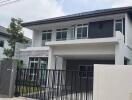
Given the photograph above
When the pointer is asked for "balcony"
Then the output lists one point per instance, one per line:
(91, 32)
(70, 41)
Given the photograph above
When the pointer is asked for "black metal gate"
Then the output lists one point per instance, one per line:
(48, 84)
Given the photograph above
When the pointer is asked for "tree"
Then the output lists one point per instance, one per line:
(15, 29)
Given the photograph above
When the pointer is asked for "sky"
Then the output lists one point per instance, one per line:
(31, 10)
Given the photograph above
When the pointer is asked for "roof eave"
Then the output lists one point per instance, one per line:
(65, 18)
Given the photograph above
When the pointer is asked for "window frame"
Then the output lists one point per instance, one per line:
(47, 32)
(118, 23)
(38, 62)
(61, 33)
(81, 26)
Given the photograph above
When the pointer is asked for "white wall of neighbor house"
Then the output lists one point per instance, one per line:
(112, 82)
(5, 46)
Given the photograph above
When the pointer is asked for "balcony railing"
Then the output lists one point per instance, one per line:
(116, 36)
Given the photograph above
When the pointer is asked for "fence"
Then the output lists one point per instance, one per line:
(48, 84)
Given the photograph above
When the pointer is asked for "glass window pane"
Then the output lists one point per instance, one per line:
(35, 65)
(1, 43)
(58, 37)
(83, 72)
(48, 36)
(32, 65)
(79, 35)
(119, 27)
(84, 34)
(79, 30)
(31, 59)
(36, 59)
(44, 36)
(82, 68)
(64, 35)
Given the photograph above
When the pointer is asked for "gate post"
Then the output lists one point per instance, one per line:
(7, 78)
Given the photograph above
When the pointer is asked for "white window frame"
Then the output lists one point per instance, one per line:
(61, 30)
(118, 22)
(34, 61)
(47, 32)
(81, 26)
(73, 34)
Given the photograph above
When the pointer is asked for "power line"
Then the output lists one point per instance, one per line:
(6, 2)
(3, 1)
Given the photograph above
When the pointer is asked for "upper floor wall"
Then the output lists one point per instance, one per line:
(96, 27)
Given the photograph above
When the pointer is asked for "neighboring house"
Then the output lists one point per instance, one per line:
(76, 42)
(4, 36)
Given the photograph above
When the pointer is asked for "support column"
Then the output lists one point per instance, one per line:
(59, 63)
(51, 59)
(119, 50)
(119, 55)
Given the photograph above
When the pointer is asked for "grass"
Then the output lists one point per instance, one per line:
(27, 89)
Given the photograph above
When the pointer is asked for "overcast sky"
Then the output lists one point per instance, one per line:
(30, 10)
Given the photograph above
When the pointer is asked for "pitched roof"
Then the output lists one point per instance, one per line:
(3, 31)
(80, 16)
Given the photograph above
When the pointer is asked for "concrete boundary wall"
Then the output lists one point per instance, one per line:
(112, 82)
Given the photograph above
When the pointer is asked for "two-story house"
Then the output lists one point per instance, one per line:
(64, 50)
(76, 42)
(4, 36)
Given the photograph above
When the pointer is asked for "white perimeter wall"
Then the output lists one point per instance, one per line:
(128, 31)
(112, 82)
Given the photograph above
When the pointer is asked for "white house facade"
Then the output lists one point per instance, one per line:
(76, 42)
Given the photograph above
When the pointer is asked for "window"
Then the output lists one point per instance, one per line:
(119, 25)
(61, 34)
(82, 32)
(86, 71)
(101, 29)
(37, 63)
(46, 35)
(1, 43)
(126, 61)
